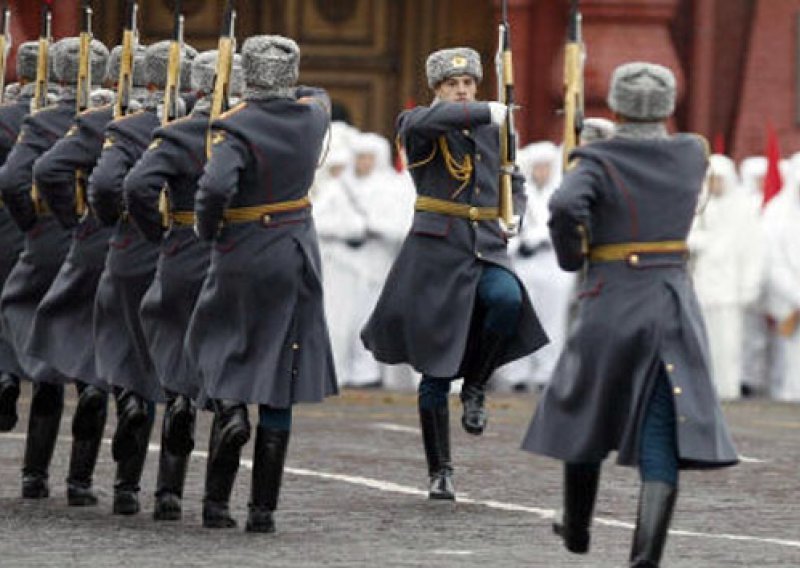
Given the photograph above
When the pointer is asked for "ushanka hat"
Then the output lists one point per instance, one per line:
(643, 92)
(270, 62)
(446, 63)
(66, 60)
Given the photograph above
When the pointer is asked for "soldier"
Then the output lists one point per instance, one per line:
(11, 239)
(176, 157)
(258, 332)
(45, 249)
(63, 320)
(634, 376)
(120, 348)
(452, 306)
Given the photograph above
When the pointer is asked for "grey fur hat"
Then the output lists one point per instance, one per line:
(156, 61)
(643, 92)
(596, 128)
(112, 74)
(204, 68)
(27, 56)
(452, 62)
(270, 62)
(66, 60)
(189, 55)
(237, 77)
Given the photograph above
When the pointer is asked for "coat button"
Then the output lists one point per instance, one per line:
(478, 157)
(677, 390)
(465, 132)
(475, 224)
(633, 259)
(479, 254)
(295, 346)
(266, 219)
(681, 419)
(670, 368)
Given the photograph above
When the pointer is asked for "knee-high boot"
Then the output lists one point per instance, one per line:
(473, 391)
(171, 478)
(129, 470)
(131, 416)
(92, 403)
(269, 456)
(656, 503)
(9, 393)
(435, 423)
(580, 492)
(44, 421)
(229, 432)
(179, 421)
(85, 449)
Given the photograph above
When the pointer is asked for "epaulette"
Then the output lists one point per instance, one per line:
(241, 106)
(48, 107)
(131, 115)
(94, 109)
(178, 120)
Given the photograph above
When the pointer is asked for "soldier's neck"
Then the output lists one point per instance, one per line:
(641, 130)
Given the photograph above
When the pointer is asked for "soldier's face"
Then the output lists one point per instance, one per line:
(364, 164)
(458, 89)
(541, 173)
(716, 185)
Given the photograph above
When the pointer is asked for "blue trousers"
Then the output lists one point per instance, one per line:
(500, 298)
(275, 418)
(658, 445)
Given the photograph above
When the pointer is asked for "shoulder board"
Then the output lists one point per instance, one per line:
(94, 109)
(43, 109)
(179, 120)
(131, 115)
(155, 143)
(234, 110)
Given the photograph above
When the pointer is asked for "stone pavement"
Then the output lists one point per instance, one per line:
(354, 496)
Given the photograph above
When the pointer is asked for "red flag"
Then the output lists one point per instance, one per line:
(772, 181)
(399, 162)
(719, 143)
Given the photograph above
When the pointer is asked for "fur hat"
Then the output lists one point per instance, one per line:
(156, 61)
(270, 62)
(102, 97)
(452, 62)
(189, 55)
(596, 128)
(237, 76)
(643, 92)
(27, 56)
(112, 74)
(66, 60)
(204, 69)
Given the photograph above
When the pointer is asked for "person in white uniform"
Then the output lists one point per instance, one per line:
(726, 246)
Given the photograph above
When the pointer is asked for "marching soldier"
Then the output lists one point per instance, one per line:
(176, 157)
(63, 321)
(452, 306)
(11, 239)
(634, 376)
(258, 332)
(45, 249)
(120, 348)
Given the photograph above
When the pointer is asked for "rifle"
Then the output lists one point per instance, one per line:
(173, 88)
(573, 82)
(129, 40)
(222, 79)
(84, 93)
(43, 60)
(508, 133)
(172, 97)
(5, 47)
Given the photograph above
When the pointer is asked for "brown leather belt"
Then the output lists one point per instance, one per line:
(182, 218)
(264, 212)
(631, 252)
(453, 209)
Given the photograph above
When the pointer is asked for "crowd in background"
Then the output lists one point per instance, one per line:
(744, 259)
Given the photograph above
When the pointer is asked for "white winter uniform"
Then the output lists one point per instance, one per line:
(727, 247)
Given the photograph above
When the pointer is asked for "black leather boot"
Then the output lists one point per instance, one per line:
(269, 455)
(169, 484)
(131, 416)
(473, 391)
(44, 421)
(580, 492)
(656, 503)
(82, 462)
(9, 393)
(179, 420)
(92, 404)
(220, 475)
(435, 423)
(129, 471)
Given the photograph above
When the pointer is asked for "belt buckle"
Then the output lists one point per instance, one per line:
(474, 214)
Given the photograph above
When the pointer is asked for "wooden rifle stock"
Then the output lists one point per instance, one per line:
(5, 47)
(220, 101)
(125, 82)
(573, 84)
(508, 134)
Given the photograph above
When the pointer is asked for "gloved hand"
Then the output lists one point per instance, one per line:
(499, 111)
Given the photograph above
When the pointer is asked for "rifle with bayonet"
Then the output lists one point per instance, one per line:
(5, 47)
(129, 41)
(508, 133)
(171, 109)
(220, 101)
(43, 58)
(573, 82)
(84, 93)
